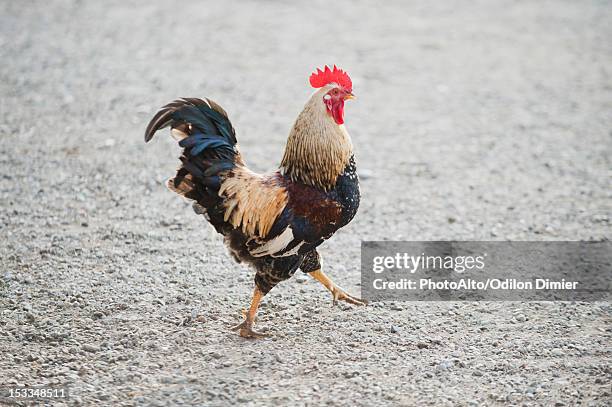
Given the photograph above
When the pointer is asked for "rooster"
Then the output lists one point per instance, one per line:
(273, 222)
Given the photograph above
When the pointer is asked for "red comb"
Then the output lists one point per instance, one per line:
(337, 75)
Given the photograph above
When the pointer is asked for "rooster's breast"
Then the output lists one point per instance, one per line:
(346, 192)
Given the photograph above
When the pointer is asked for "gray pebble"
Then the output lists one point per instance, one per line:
(90, 348)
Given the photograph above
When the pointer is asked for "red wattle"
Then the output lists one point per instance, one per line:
(337, 111)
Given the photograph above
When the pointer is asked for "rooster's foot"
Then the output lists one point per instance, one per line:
(246, 327)
(246, 331)
(339, 294)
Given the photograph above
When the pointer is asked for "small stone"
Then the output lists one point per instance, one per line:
(348, 375)
(446, 364)
(477, 373)
(216, 355)
(394, 329)
(32, 358)
(422, 345)
(90, 348)
(557, 352)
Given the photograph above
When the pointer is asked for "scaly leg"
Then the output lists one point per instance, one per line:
(337, 292)
(246, 327)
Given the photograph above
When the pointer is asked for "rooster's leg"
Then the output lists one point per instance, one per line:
(246, 327)
(337, 292)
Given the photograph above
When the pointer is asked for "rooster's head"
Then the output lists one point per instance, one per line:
(338, 86)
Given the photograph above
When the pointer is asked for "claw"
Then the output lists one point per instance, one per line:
(239, 326)
(250, 333)
(339, 294)
(246, 331)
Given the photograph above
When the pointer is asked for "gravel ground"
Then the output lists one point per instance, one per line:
(483, 120)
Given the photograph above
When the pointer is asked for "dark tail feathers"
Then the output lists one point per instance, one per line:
(207, 136)
(204, 114)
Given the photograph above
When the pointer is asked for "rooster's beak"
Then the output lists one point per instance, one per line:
(349, 96)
